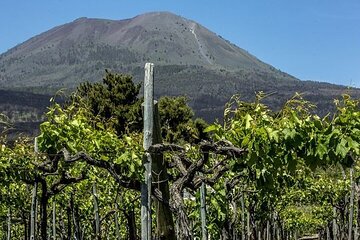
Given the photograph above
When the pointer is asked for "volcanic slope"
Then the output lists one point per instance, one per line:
(189, 60)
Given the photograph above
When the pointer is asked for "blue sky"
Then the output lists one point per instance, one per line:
(310, 39)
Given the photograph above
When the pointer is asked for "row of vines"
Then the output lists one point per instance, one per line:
(258, 175)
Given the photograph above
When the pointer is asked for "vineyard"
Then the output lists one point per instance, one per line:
(104, 167)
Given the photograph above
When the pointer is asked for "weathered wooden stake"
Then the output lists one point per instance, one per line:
(351, 206)
(54, 220)
(96, 213)
(148, 137)
(165, 228)
(248, 230)
(69, 225)
(242, 217)
(203, 205)
(117, 228)
(328, 233)
(357, 222)
(33, 212)
(335, 228)
(274, 226)
(75, 218)
(9, 224)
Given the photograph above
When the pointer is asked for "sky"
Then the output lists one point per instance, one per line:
(310, 39)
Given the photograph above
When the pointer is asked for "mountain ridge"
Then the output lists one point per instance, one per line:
(189, 60)
(130, 32)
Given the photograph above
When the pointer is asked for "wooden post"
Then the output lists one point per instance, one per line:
(117, 228)
(148, 137)
(26, 225)
(9, 224)
(36, 150)
(76, 224)
(96, 214)
(248, 230)
(44, 200)
(351, 206)
(243, 225)
(165, 228)
(356, 237)
(157, 174)
(33, 212)
(328, 233)
(69, 225)
(357, 199)
(335, 228)
(259, 234)
(274, 226)
(203, 205)
(54, 220)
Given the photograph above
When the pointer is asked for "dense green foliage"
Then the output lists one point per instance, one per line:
(114, 101)
(176, 120)
(291, 178)
(284, 149)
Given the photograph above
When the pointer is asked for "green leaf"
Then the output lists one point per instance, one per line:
(211, 128)
(341, 148)
(321, 150)
(353, 145)
(248, 119)
(273, 134)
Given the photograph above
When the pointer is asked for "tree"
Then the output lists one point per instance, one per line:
(176, 119)
(115, 101)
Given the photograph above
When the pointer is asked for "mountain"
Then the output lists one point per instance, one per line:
(189, 60)
(70, 53)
